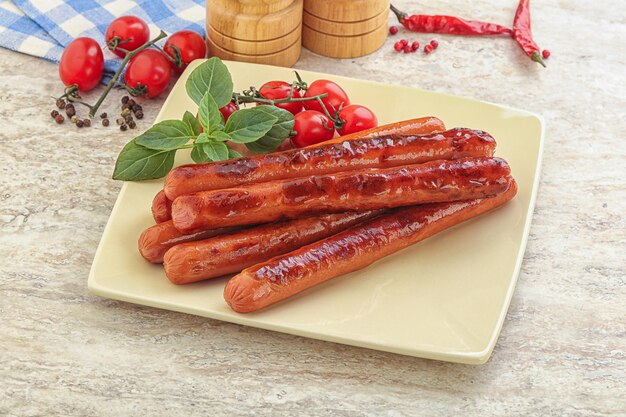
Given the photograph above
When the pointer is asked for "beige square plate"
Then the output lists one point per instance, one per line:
(445, 298)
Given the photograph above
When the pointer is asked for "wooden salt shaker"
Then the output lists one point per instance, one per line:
(259, 31)
(344, 28)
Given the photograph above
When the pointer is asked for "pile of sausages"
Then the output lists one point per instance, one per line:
(284, 222)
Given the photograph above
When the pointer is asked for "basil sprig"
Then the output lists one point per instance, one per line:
(151, 154)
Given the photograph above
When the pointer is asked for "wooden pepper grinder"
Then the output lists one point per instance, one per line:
(259, 31)
(344, 28)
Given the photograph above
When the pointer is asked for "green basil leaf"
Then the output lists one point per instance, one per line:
(202, 138)
(248, 125)
(213, 77)
(193, 123)
(217, 151)
(136, 163)
(232, 154)
(209, 114)
(220, 136)
(166, 135)
(209, 151)
(277, 134)
(199, 155)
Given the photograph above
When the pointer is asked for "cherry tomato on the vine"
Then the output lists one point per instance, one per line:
(149, 69)
(130, 33)
(336, 96)
(312, 127)
(82, 63)
(275, 90)
(185, 46)
(228, 109)
(356, 118)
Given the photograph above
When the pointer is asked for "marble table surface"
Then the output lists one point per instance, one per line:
(562, 351)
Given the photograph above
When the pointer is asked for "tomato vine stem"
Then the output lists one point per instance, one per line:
(253, 98)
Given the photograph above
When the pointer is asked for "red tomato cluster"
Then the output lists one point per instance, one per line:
(312, 124)
(147, 73)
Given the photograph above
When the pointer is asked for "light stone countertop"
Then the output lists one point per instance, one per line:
(562, 351)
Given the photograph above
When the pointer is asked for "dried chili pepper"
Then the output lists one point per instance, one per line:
(448, 24)
(522, 33)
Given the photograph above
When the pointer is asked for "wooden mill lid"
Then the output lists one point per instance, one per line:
(346, 10)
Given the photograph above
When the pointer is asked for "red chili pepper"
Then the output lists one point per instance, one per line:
(522, 33)
(449, 25)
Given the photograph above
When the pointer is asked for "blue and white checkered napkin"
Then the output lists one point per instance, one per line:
(44, 27)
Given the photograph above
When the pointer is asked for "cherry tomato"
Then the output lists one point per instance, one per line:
(274, 90)
(82, 63)
(131, 31)
(285, 146)
(309, 126)
(228, 109)
(357, 118)
(185, 46)
(336, 96)
(151, 69)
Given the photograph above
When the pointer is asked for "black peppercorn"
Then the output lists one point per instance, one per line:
(128, 119)
(123, 127)
(105, 122)
(136, 108)
(125, 99)
(70, 110)
(59, 118)
(131, 102)
(54, 113)
(132, 124)
(79, 123)
(103, 115)
(87, 122)
(61, 103)
(139, 114)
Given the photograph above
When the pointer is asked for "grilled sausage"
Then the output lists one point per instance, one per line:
(376, 152)
(156, 240)
(355, 248)
(369, 189)
(233, 252)
(161, 207)
(420, 126)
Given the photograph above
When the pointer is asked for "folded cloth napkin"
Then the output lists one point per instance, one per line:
(19, 33)
(44, 27)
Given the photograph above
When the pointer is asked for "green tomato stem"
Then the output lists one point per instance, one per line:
(242, 98)
(249, 99)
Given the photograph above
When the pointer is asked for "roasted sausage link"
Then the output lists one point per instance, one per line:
(369, 189)
(378, 152)
(161, 207)
(355, 248)
(233, 252)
